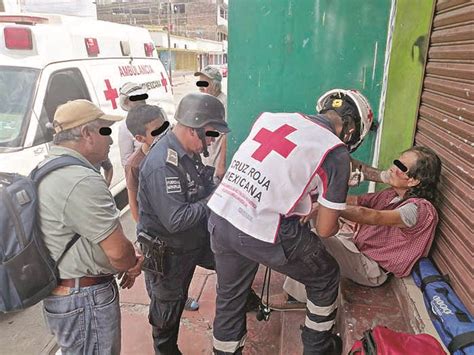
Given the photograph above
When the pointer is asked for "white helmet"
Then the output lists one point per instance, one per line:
(343, 102)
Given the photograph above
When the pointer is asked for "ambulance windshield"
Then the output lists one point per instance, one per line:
(16, 94)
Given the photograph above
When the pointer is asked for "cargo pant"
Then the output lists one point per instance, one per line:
(298, 253)
(168, 294)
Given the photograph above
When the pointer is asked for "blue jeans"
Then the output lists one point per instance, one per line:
(87, 321)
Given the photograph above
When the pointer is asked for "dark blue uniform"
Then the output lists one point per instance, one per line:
(173, 188)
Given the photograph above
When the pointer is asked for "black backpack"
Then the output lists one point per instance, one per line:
(28, 274)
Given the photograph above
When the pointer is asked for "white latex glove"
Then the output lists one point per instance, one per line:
(385, 176)
(356, 178)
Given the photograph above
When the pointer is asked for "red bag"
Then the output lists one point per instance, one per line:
(384, 341)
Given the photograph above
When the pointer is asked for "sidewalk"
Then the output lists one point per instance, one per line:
(361, 308)
(280, 335)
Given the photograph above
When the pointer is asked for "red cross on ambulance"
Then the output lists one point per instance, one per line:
(111, 94)
(164, 82)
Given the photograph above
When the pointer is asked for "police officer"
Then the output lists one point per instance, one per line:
(260, 213)
(173, 192)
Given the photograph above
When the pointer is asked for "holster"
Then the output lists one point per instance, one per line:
(154, 251)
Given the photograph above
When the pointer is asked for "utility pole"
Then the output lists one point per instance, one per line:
(169, 43)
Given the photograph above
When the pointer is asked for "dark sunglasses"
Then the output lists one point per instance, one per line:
(400, 165)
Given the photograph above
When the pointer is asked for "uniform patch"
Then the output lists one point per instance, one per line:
(172, 157)
(173, 185)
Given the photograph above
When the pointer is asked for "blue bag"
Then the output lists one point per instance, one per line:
(28, 274)
(452, 320)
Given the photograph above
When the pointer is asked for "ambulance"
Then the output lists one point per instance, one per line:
(47, 60)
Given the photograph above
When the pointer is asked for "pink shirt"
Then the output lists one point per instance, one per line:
(393, 248)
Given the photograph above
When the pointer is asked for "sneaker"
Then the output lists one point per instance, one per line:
(284, 302)
(253, 301)
(191, 305)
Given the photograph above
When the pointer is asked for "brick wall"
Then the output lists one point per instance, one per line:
(202, 20)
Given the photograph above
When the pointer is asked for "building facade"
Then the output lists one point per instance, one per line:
(189, 54)
(206, 19)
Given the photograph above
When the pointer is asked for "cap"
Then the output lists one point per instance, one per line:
(78, 112)
(211, 72)
(131, 89)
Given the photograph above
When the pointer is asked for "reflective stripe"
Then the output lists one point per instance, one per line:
(321, 311)
(320, 327)
(229, 346)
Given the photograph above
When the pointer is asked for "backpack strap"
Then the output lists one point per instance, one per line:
(433, 278)
(68, 246)
(460, 341)
(38, 173)
(424, 281)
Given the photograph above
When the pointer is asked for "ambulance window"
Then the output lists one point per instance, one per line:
(63, 86)
(17, 86)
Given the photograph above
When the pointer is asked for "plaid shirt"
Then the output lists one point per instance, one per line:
(393, 248)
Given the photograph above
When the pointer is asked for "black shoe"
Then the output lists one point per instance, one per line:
(336, 345)
(253, 301)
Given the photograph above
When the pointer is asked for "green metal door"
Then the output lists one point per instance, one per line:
(284, 54)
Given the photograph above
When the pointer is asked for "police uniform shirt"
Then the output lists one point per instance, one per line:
(164, 183)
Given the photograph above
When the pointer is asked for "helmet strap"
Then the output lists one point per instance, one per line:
(345, 129)
(202, 135)
(346, 126)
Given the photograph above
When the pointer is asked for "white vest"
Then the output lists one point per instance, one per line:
(270, 172)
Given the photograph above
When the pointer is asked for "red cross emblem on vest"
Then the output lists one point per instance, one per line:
(110, 94)
(274, 141)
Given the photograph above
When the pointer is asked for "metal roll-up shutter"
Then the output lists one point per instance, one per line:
(445, 124)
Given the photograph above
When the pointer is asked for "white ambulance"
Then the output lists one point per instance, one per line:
(47, 60)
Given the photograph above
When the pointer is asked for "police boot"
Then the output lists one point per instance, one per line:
(320, 343)
(335, 347)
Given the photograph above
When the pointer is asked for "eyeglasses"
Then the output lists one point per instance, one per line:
(403, 168)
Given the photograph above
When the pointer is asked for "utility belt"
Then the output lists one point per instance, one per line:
(155, 251)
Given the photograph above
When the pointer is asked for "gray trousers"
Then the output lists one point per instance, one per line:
(299, 254)
(353, 265)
